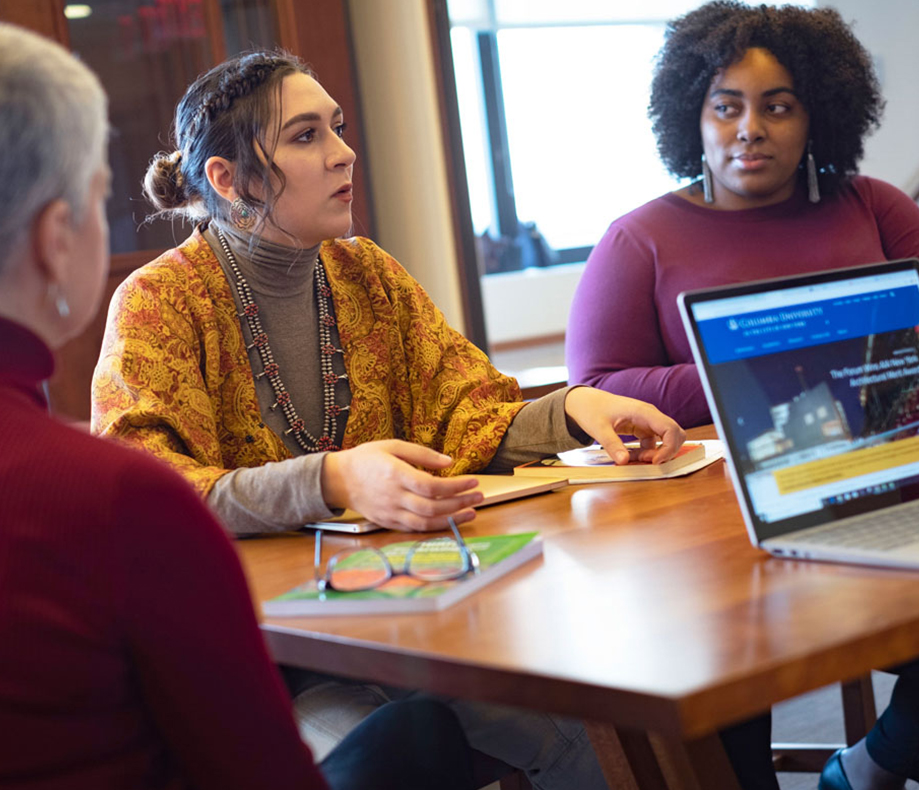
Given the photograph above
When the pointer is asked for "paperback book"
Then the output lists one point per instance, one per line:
(497, 556)
(593, 465)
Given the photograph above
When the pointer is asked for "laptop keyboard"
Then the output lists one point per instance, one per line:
(884, 531)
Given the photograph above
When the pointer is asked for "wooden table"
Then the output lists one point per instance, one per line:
(650, 611)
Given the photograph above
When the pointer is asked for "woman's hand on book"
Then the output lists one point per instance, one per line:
(604, 416)
(381, 482)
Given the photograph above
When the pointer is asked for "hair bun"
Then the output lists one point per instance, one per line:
(164, 183)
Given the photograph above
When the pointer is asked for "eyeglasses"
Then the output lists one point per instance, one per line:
(365, 568)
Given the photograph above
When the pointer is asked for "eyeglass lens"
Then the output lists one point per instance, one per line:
(358, 569)
(435, 559)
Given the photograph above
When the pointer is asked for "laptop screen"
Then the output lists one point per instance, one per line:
(815, 382)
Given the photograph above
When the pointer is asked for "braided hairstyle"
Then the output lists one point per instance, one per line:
(225, 112)
(833, 76)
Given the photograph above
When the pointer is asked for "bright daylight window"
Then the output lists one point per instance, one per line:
(553, 100)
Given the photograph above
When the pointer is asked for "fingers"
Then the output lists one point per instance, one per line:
(604, 416)
(429, 487)
(428, 507)
(672, 439)
(610, 441)
(650, 451)
(426, 501)
(648, 425)
(407, 521)
(385, 486)
(416, 454)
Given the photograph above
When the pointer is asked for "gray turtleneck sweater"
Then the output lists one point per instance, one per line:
(287, 494)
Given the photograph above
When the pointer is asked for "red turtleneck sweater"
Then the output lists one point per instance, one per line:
(130, 655)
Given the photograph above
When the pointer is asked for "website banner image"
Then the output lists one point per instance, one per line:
(821, 399)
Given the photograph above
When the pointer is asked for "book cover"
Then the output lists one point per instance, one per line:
(593, 465)
(498, 555)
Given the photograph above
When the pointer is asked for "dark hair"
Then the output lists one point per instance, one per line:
(225, 112)
(833, 76)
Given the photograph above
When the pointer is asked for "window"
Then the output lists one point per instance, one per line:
(553, 104)
(553, 107)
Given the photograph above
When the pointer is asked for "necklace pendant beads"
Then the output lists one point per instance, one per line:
(271, 370)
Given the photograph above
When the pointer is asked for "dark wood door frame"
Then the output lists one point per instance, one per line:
(457, 186)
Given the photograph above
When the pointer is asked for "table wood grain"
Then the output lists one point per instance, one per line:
(650, 610)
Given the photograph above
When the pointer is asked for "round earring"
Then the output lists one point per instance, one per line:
(241, 214)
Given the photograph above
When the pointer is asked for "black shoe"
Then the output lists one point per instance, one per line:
(833, 776)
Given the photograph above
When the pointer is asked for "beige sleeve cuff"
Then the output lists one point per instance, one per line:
(540, 429)
(276, 497)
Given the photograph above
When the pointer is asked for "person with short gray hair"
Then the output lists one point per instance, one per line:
(53, 130)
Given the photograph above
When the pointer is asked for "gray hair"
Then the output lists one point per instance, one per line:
(53, 130)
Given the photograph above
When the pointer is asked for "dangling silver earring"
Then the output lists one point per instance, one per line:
(241, 214)
(60, 302)
(813, 185)
(708, 192)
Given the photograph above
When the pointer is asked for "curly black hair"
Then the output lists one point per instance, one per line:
(832, 72)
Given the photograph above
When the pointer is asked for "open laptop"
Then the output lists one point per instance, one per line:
(813, 383)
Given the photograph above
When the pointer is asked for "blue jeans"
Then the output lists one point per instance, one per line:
(407, 745)
(555, 752)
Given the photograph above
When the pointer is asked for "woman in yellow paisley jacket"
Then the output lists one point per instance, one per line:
(264, 342)
(288, 373)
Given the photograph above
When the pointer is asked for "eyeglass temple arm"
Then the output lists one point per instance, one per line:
(317, 557)
(469, 555)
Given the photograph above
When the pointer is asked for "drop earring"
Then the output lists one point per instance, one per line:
(58, 300)
(708, 192)
(813, 185)
(241, 214)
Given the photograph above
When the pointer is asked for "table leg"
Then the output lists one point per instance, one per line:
(634, 760)
(700, 764)
(626, 757)
(858, 706)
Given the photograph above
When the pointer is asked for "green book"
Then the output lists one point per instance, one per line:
(497, 555)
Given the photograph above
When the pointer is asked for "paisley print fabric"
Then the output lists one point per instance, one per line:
(174, 376)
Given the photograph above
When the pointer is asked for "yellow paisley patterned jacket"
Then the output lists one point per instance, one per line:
(174, 377)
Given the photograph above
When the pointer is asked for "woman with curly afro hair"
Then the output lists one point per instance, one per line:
(766, 108)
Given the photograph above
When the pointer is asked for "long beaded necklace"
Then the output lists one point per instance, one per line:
(272, 371)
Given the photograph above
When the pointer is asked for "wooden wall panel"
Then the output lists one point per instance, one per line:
(42, 16)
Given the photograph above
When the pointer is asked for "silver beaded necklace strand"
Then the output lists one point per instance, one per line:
(272, 371)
